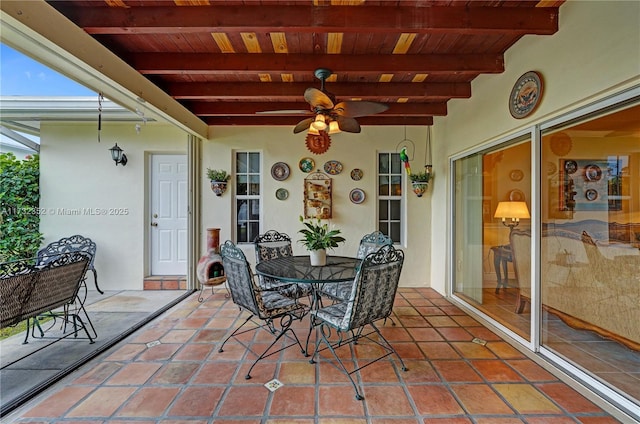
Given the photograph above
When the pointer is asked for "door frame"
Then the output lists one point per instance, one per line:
(193, 204)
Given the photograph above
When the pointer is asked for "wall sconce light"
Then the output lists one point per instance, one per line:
(118, 155)
(515, 211)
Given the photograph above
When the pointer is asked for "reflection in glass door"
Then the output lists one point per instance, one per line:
(492, 202)
(590, 247)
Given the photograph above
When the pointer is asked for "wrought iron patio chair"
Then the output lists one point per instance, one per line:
(369, 243)
(268, 309)
(371, 300)
(272, 245)
(76, 243)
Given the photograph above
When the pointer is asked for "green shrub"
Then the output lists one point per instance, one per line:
(19, 207)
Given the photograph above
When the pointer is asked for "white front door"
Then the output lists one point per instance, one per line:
(168, 214)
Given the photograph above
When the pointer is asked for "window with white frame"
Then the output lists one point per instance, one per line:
(247, 196)
(390, 195)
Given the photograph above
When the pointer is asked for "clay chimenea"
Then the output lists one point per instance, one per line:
(210, 271)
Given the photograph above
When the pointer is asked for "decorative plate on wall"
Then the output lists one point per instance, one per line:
(516, 195)
(571, 166)
(525, 95)
(516, 175)
(282, 194)
(592, 172)
(356, 174)
(333, 167)
(306, 164)
(280, 171)
(357, 196)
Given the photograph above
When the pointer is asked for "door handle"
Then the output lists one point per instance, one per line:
(154, 224)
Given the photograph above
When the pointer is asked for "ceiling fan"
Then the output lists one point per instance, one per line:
(329, 115)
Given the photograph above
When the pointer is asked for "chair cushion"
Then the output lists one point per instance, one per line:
(339, 291)
(275, 303)
(333, 314)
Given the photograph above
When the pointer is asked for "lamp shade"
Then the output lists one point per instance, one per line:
(512, 210)
(319, 124)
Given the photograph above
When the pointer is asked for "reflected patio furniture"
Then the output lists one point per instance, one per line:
(268, 309)
(501, 257)
(520, 251)
(368, 244)
(371, 300)
(273, 245)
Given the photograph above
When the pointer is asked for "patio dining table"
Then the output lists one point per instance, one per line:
(298, 269)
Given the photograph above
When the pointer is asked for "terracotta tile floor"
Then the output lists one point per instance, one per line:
(184, 378)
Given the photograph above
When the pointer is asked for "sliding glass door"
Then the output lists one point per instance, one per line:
(585, 259)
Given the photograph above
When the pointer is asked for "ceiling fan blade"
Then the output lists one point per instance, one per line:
(303, 125)
(317, 99)
(354, 109)
(348, 124)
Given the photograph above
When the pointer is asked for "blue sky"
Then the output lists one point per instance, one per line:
(22, 76)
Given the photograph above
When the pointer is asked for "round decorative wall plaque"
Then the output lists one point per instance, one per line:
(525, 95)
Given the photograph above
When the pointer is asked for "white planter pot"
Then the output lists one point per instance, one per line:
(318, 257)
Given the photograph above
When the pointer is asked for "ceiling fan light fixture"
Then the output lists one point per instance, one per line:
(319, 124)
(313, 131)
(334, 128)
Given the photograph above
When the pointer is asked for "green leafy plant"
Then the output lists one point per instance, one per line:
(420, 177)
(318, 235)
(217, 175)
(19, 207)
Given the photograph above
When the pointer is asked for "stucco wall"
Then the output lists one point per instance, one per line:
(279, 144)
(594, 54)
(79, 181)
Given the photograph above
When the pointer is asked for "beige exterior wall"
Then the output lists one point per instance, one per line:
(279, 144)
(594, 54)
(78, 180)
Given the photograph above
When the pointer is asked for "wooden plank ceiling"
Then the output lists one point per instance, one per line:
(249, 62)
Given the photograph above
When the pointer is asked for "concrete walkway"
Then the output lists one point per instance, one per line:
(29, 368)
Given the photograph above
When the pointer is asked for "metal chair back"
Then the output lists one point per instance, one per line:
(372, 242)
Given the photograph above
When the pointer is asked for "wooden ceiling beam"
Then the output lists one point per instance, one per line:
(311, 19)
(293, 120)
(212, 64)
(291, 91)
(287, 109)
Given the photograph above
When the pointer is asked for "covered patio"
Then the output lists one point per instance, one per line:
(170, 370)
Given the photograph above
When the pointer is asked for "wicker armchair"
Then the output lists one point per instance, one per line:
(268, 309)
(370, 300)
(272, 245)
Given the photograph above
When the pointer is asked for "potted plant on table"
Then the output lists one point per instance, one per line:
(420, 182)
(317, 238)
(219, 179)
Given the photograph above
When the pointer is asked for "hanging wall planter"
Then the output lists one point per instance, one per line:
(419, 187)
(420, 181)
(219, 179)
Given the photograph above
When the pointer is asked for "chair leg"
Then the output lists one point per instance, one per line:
(95, 280)
(285, 326)
(236, 331)
(389, 346)
(325, 333)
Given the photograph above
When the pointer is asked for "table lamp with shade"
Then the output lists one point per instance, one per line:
(511, 213)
